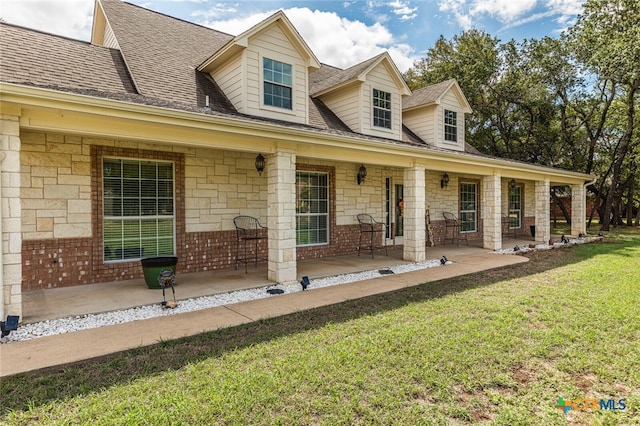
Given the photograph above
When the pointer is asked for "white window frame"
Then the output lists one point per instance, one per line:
(312, 207)
(381, 105)
(450, 126)
(468, 208)
(274, 82)
(515, 207)
(160, 212)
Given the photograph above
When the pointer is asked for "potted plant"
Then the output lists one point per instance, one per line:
(153, 266)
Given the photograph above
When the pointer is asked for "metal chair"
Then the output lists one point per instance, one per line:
(249, 232)
(506, 227)
(374, 229)
(451, 222)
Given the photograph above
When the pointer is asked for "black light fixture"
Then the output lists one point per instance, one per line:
(362, 173)
(8, 326)
(444, 182)
(260, 163)
(305, 282)
(512, 183)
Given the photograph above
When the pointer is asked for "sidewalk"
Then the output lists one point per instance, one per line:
(34, 354)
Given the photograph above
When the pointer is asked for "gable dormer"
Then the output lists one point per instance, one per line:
(367, 97)
(436, 114)
(102, 33)
(264, 71)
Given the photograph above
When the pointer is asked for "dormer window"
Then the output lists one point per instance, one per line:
(381, 109)
(450, 126)
(277, 83)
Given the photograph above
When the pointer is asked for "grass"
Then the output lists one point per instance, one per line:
(497, 347)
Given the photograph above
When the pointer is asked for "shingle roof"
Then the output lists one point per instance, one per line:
(163, 64)
(166, 73)
(328, 76)
(426, 95)
(37, 58)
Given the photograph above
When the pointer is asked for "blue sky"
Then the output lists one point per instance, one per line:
(341, 33)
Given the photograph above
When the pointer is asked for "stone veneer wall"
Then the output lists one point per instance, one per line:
(60, 197)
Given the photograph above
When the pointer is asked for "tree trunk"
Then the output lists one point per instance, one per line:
(623, 147)
(559, 202)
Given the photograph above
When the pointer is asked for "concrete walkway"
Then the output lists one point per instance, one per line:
(34, 354)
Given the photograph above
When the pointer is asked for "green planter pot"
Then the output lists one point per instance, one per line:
(153, 266)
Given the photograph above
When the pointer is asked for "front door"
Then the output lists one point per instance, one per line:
(399, 213)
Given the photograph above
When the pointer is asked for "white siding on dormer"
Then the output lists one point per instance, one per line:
(229, 78)
(450, 102)
(379, 78)
(272, 43)
(422, 122)
(110, 38)
(346, 105)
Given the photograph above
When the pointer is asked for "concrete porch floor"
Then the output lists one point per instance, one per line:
(49, 351)
(40, 305)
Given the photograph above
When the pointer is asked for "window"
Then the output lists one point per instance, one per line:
(515, 207)
(312, 208)
(277, 83)
(450, 126)
(381, 109)
(138, 209)
(468, 207)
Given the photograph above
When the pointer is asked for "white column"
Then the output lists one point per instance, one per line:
(414, 214)
(492, 212)
(281, 220)
(543, 224)
(578, 210)
(10, 218)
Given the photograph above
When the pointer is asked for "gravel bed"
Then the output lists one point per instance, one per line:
(558, 244)
(88, 321)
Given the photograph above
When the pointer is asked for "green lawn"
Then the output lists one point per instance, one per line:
(498, 347)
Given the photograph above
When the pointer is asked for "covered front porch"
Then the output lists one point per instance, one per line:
(44, 304)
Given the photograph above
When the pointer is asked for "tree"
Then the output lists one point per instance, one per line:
(606, 39)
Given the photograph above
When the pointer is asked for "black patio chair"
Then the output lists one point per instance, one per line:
(451, 222)
(249, 232)
(372, 230)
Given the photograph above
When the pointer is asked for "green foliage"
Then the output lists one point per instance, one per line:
(496, 347)
(567, 102)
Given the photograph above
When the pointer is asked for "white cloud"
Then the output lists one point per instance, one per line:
(505, 10)
(335, 40)
(402, 9)
(512, 13)
(70, 18)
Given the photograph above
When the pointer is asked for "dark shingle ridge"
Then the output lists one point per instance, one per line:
(426, 95)
(332, 76)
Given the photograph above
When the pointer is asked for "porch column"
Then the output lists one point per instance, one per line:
(543, 225)
(414, 214)
(10, 217)
(281, 216)
(578, 210)
(492, 212)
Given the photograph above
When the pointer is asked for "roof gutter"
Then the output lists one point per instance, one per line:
(49, 98)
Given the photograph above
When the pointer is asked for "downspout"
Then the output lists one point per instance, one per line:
(2, 156)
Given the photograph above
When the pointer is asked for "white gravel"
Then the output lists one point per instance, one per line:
(88, 321)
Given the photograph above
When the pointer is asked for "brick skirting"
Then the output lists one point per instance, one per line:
(68, 262)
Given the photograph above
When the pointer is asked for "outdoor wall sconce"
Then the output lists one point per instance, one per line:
(444, 182)
(512, 183)
(362, 173)
(260, 163)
